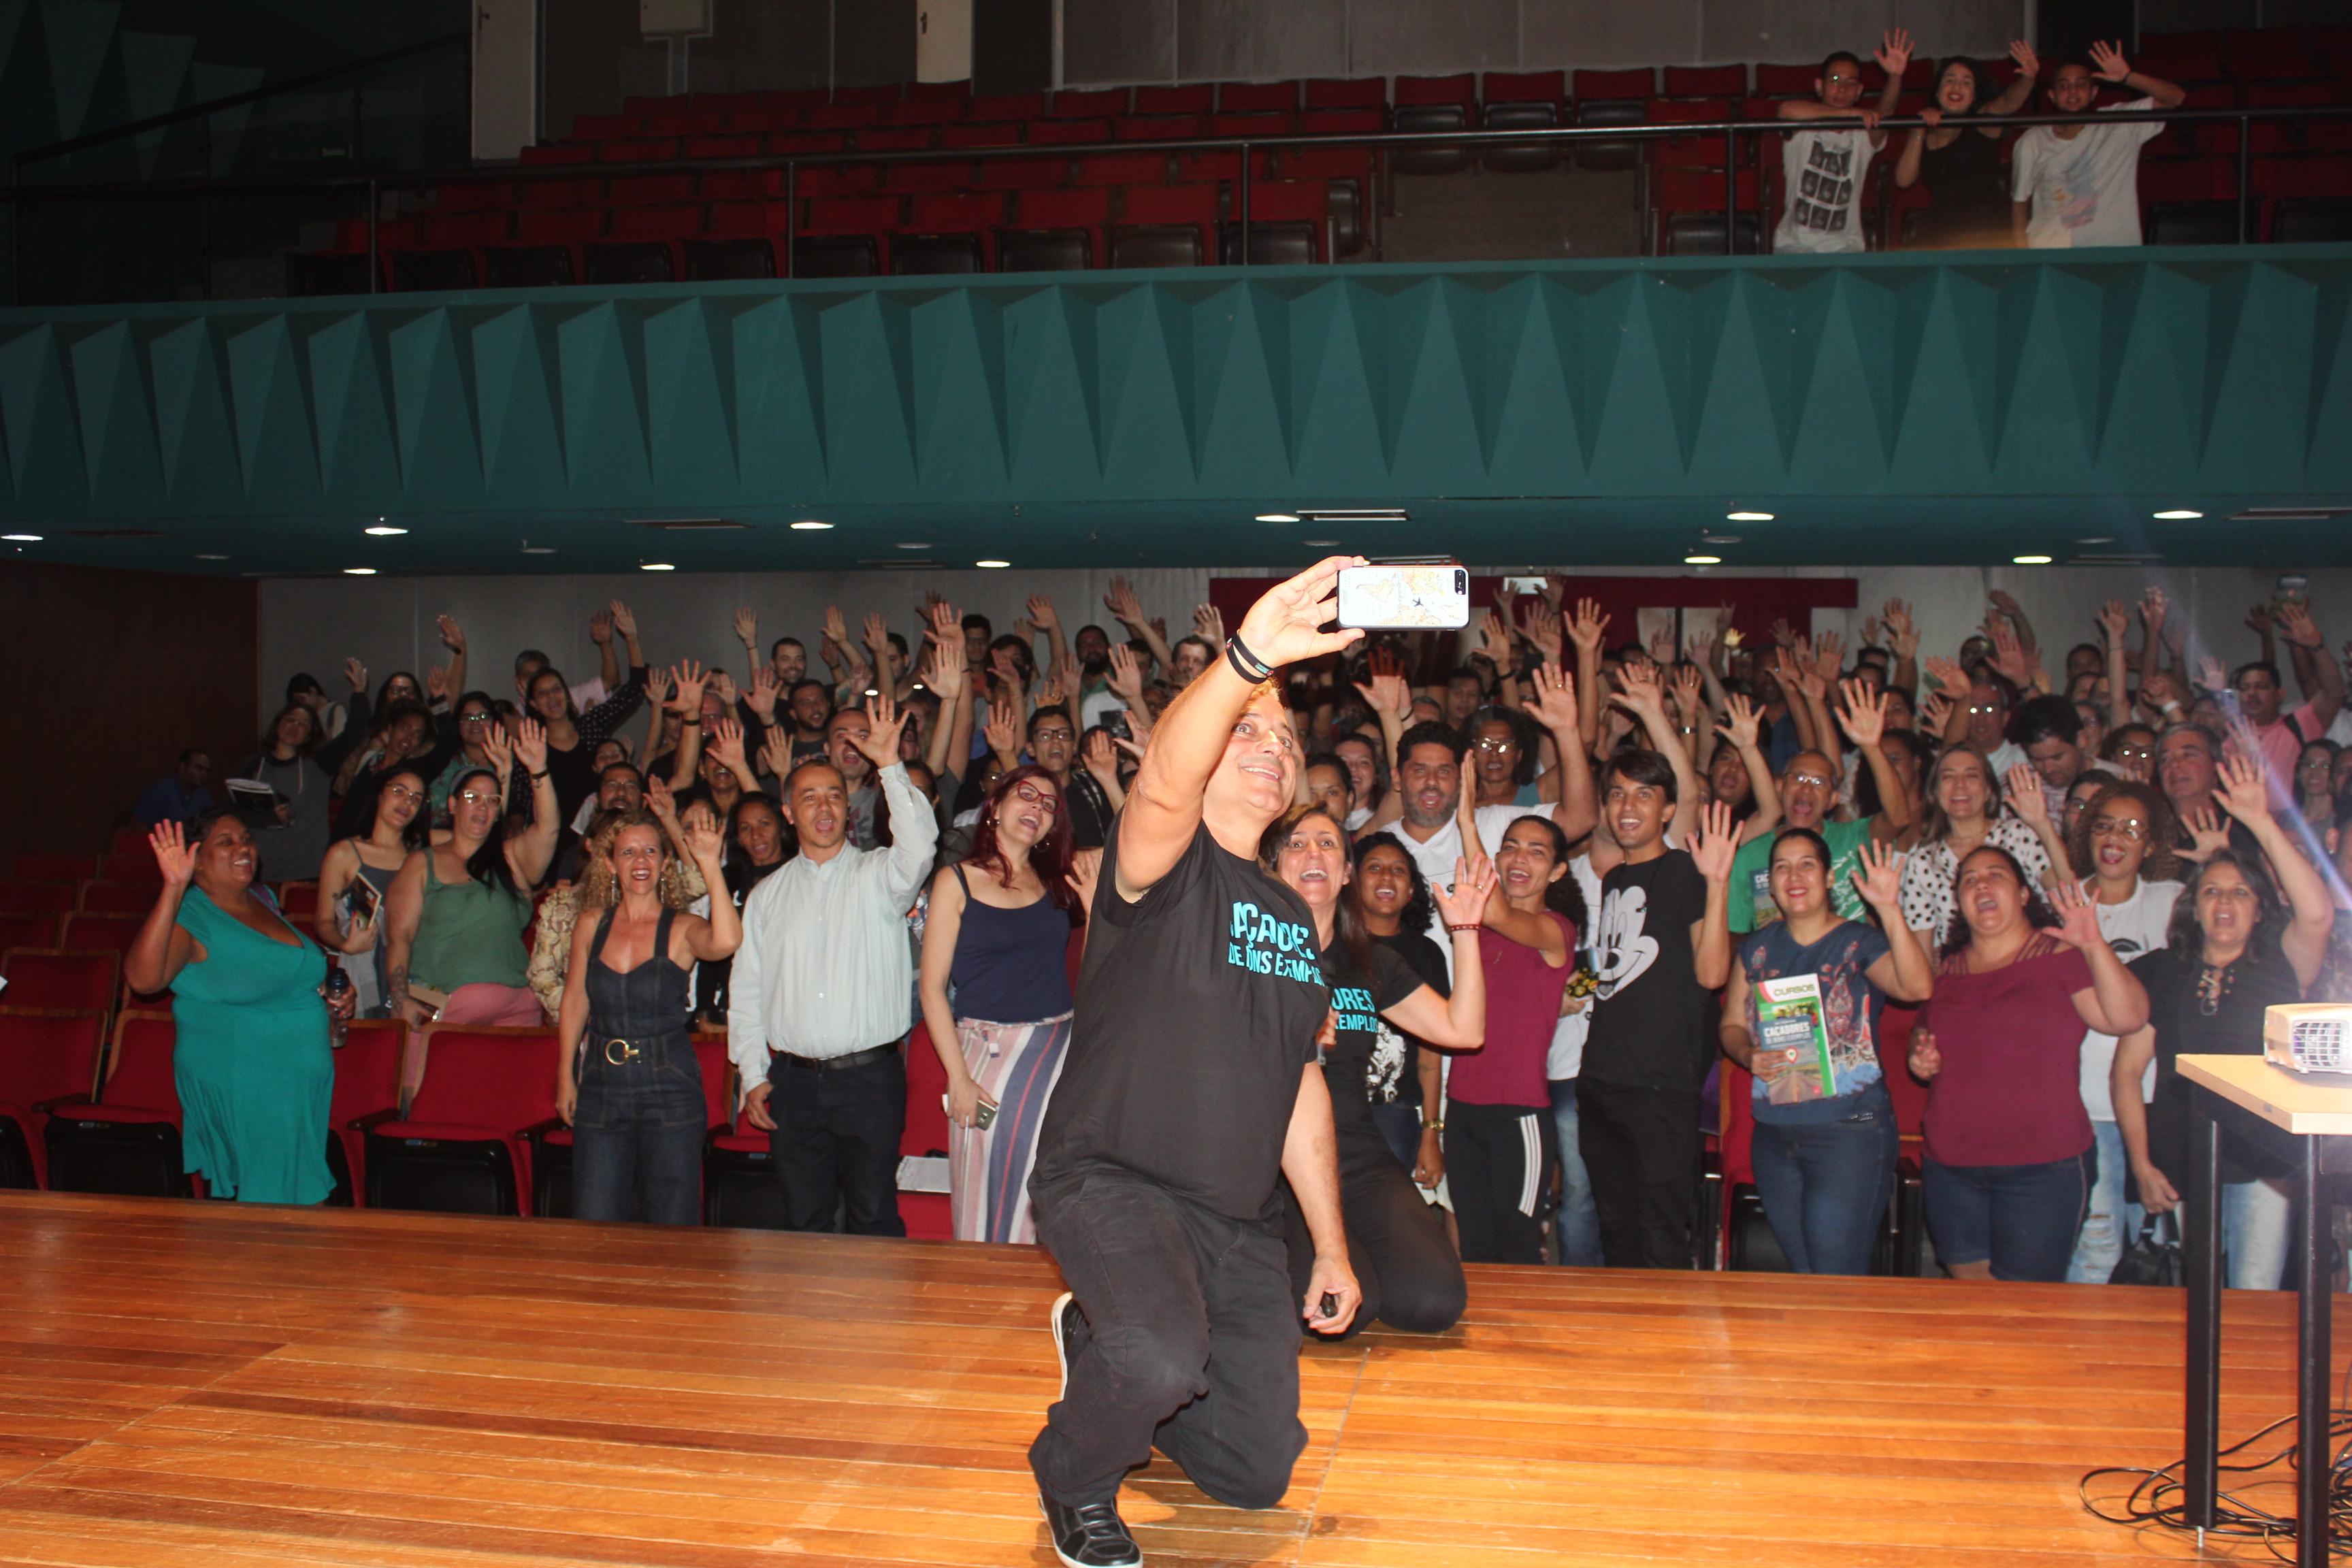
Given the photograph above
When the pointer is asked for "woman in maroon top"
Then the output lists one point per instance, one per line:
(2011, 1158)
(1501, 1143)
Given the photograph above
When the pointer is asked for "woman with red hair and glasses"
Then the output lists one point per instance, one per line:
(999, 934)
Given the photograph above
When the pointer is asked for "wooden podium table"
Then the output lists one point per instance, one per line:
(2308, 1112)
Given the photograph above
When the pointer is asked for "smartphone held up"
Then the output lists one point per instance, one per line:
(1404, 595)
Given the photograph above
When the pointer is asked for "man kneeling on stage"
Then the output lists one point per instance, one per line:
(1190, 1087)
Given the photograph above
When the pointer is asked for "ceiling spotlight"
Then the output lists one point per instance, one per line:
(655, 566)
(2178, 515)
(212, 557)
(1702, 560)
(810, 525)
(2102, 539)
(992, 563)
(358, 571)
(385, 531)
(539, 550)
(1276, 517)
(1746, 517)
(21, 538)
(2030, 560)
(914, 547)
(1321, 543)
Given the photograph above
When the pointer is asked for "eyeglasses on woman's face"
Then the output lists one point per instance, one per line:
(477, 797)
(402, 792)
(1044, 800)
(2106, 827)
(475, 717)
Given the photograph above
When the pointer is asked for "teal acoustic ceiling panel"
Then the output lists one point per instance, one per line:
(1887, 408)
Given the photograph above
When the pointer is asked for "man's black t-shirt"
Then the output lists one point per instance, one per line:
(1357, 998)
(1649, 1014)
(1198, 1005)
(1089, 809)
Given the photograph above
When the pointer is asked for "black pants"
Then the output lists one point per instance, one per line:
(1641, 1150)
(1192, 1345)
(836, 1143)
(1405, 1261)
(1499, 1161)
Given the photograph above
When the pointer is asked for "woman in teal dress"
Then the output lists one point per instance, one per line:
(250, 1052)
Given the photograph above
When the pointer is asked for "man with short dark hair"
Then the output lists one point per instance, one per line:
(1663, 945)
(818, 993)
(179, 796)
(977, 635)
(845, 747)
(2262, 698)
(808, 707)
(2077, 185)
(1822, 170)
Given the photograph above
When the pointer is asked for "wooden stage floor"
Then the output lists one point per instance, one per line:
(191, 1383)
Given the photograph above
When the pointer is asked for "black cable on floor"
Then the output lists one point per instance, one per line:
(2160, 1496)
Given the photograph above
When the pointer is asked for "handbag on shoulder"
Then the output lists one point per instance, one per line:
(2155, 1258)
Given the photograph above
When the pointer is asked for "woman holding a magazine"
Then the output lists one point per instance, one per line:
(1801, 1015)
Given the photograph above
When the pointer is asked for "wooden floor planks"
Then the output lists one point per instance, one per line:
(202, 1384)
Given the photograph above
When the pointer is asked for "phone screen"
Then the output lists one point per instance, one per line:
(1404, 597)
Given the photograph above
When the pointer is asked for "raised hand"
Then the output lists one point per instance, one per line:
(1829, 655)
(624, 622)
(1660, 644)
(1085, 866)
(761, 698)
(1041, 613)
(1387, 692)
(1209, 624)
(836, 630)
(1588, 625)
(2078, 916)
(704, 843)
(356, 673)
(746, 628)
(1741, 724)
(1934, 712)
(661, 802)
(1285, 625)
(776, 755)
(1123, 603)
(453, 637)
(1553, 706)
(1465, 901)
(2108, 63)
(2245, 790)
(1927, 1061)
(174, 856)
(1495, 637)
(2295, 624)
(726, 742)
(2025, 797)
(1878, 876)
(1862, 713)
(1638, 691)
(1539, 624)
(1902, 634)
(2206, 831)
(498, 746)
(947, 673)
(1783, 633)
(2027, 60)
(1948, 674)
(1715, 842)
(530, 745)
(1687, 701)
(691, 678)
(2212, 675)
(1003, 732)
(2115, 620)
(878, 637)
(880, 742)
(600, 627)
(1126, 676)
(2009, 657)
(2154, 606)
(942, 617)
(657, 687)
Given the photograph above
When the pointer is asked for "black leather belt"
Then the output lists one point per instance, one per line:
(836, 1064)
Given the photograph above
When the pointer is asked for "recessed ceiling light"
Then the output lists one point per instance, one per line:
(810, 525)
(2030, 560)
(1276, 517)
(914, 547)
(1321, 543)
(2176, 515)
(22, 537)
(358, 571)
(2103, 539)
(539, 550)
(655, 566)
(992, 563)
(212, 557)
(1702, 560)
(385, 531)
(1746, 517)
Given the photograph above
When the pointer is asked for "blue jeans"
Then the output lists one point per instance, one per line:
(638, 1135)
(1576, 1228)
(2022, 1219)
(1826, 1186)
(2112, 1224)
(2256, 1229)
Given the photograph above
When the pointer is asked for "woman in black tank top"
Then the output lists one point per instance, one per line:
(629, 1085)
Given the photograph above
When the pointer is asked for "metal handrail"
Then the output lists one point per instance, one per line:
(232, 101)
(1380, 141)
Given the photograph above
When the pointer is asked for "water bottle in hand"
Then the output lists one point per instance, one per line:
(338, 985)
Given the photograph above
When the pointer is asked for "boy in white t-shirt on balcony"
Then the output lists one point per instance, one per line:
(2078, 184)
(1823, 168)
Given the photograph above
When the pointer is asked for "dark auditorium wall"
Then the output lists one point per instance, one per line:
(110, 675)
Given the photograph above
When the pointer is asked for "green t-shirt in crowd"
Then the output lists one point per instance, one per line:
(1750, 894)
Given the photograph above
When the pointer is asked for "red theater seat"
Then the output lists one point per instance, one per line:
(927, 1215)
(55, 867)
(1249, 96)
(1193, 98)
(367, 1086)
(39, 897)
(47, 1056)
(77, 981)
(127, 1140)
(464, 1146)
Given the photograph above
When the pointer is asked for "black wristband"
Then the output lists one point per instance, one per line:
(537, 776)
(1246, 665)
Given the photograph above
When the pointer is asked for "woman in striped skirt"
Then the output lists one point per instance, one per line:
(997, 997)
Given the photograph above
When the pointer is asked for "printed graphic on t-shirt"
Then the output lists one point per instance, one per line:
(1353, 1009)
(1624, 950)
(1824, 190)
(1384, 1075)
(1264, 944)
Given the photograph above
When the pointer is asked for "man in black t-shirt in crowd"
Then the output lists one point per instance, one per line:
(1191, 1089)
(1662, 945)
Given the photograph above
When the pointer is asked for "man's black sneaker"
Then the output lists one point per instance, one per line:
(1067, 1322)
(1090, 1537)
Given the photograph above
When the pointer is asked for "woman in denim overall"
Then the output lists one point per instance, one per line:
(629, 1085)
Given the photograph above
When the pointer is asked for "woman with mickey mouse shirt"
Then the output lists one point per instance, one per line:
(1396, 1241)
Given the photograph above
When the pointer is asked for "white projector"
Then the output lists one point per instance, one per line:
(2309, 1038)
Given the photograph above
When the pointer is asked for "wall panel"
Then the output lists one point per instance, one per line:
(1243, 40)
